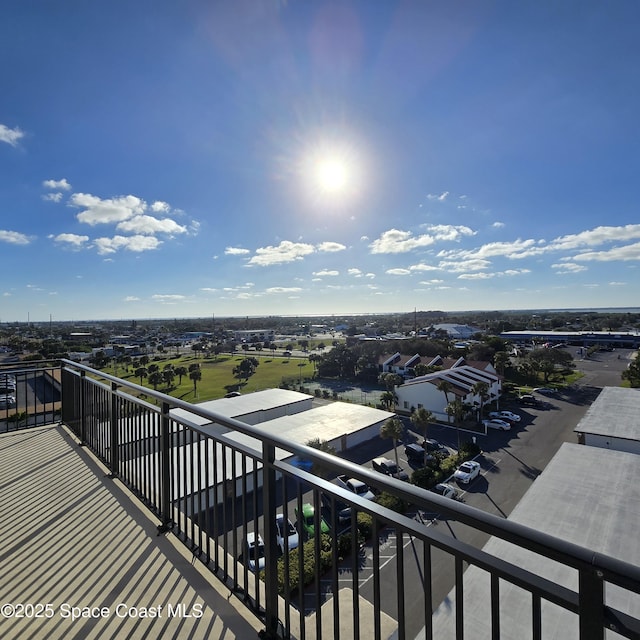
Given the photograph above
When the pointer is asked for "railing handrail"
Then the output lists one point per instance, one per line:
(613, 570)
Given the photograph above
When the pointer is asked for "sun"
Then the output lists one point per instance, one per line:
(332, 175)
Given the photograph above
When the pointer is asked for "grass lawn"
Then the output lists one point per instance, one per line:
(217, 375)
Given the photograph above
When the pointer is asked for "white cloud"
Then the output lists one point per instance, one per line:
(71, 239)
(397, 241)
(498, 225)
(326, 272)
(423, 267)
(160, 207)
(356, 273)
(52, 197)
(330, 247)
(131, 299)
(441, 198)
(148, 225)
(628, 252)
(57, 184)
(568, 267)
(236, 251)
(129, 243)
(98, 211)
(13, 237)
(476, 276)
(168, 298)
(398, 272)
(597, 236)
(10, 136)
(286, 251)
(459, 266)
(283, 290)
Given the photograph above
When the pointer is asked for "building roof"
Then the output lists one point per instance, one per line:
(614, 414)
(245, 404)
(586, 495)
(462, 377)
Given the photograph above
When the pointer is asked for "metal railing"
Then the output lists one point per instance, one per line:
(218, 485)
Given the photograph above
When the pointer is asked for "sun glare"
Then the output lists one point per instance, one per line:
(332, 175)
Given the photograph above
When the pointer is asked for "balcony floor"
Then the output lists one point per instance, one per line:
(72, 537)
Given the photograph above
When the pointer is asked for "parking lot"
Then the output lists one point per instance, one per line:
(510, 462)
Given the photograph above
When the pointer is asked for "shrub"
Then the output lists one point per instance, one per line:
(392, 502)
(468, 450)
(427, 477)
(365, 525)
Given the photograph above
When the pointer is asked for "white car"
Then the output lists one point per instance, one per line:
(286, 534)
(254, 550)
(494, 423)
(445, 490)
(467, 471)
(508, 416)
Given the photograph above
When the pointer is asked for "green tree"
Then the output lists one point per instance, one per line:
(394, 429)
(444, 386)
(195, 375)
(321, 445)
(181, 372)
(155, 378)
(456, 410)
(421, 418)
(388, 399)
(481, 389)
(141, 372)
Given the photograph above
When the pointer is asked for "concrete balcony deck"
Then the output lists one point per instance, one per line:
(72, 537)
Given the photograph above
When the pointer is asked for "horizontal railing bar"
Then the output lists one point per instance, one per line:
(617, 571)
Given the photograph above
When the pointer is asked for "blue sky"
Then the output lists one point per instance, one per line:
(182, 159)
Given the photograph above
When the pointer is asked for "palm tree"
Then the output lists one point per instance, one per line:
(444, 386)
(180, 372)
(155, 378)
(393, 429)
(195, 375)
(388, 399)
(481, 389)
(141, 372)
(456, 410)
(421, 418)
(500, 361)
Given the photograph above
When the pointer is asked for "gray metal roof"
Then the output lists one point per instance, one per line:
(244, 404)
(586, 495)
(614, 414)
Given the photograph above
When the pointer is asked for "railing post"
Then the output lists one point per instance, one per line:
(115, 431)
(591, 604)
(165, 472)
(82, 406)
(270, 541)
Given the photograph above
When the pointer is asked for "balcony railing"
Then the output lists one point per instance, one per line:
(214, 485)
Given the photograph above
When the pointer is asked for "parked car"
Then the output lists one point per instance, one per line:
(433, 446)
(356, 486)
(232, 394)
(417, 455)
(527, 399)
(467, 471)
(7, 402)
(343, 511)
(306, 520)
(389, 468)
(253, 551)
(509, 416)
(545, 391)
(494, 423)
(286, 534)
(445, 490)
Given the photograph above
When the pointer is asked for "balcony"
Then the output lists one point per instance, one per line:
(137, 516)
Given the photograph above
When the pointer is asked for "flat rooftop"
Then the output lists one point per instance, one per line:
(72, 537)
(586, 495)
(614, 414)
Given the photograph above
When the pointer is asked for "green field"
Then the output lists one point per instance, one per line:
(218, 378)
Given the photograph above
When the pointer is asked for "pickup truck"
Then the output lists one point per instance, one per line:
(355, 486)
